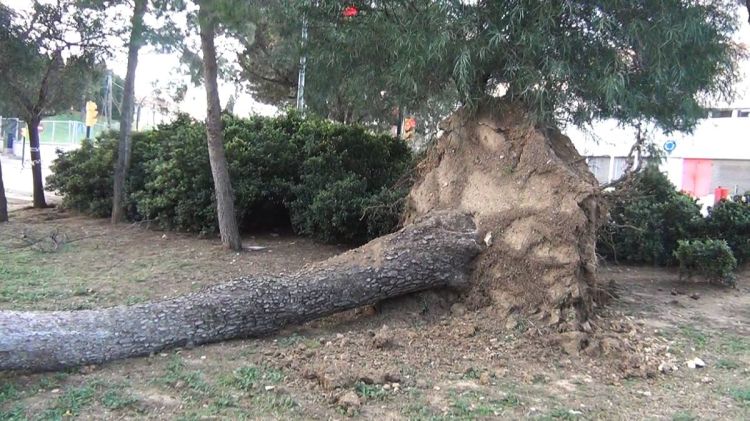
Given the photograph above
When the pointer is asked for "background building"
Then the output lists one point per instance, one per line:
(716, 154)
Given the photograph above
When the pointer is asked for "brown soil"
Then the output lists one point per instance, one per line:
(405, 360)
(534, 200)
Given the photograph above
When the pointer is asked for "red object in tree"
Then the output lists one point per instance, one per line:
(350, 11)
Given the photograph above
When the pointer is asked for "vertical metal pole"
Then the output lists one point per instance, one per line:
(400, 124)
(54, 123)
(302, 68)
(109, 100)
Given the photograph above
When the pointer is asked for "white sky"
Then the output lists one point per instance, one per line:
(156, 70)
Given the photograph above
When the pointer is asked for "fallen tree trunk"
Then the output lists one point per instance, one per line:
(434, 252)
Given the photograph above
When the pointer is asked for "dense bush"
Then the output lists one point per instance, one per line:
(346, 176)
(647, 220)
(330, 181)
(84, 176)
(178, 187)
(710, 258)
(730, 221)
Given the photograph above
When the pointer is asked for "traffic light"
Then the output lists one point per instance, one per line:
(91, 114)
(350, 11)
(410, 126)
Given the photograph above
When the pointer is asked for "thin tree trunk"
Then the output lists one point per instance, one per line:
(230, 235)
(36, 162)
(3, 199)
(124, 150)
(435, 252)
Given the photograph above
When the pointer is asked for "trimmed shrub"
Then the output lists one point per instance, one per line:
(327, 180)
(647, 220)
(264, 158)
(178, 187)
(730, 221)
(345, 190)
(710, 258)
(84, 176)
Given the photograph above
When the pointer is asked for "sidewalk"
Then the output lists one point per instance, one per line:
(18, 180)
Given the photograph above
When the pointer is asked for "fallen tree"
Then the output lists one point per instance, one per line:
(434, 252)
(536, 210)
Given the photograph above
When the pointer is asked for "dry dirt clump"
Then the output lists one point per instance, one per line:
(535, 203)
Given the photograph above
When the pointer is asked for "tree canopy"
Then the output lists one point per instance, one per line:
(49, 57)
(564, 60)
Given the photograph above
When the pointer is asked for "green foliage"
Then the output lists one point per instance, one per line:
(178, 188)
(591, 59)
(346, 175)
(84, 176)
(330, 181)
(647, 220)
(730, 221)
(741, 395)
(43, 72)
(370, 391)
(710, 258)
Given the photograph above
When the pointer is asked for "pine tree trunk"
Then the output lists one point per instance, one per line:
(124, 151)
(434, 252)
(36, 162)
(3, 199)
(230, 235)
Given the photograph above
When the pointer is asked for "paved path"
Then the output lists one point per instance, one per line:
(17, 178)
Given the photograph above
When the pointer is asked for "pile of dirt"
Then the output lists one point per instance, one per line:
(535, 203)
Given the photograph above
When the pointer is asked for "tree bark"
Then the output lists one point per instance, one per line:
(36, 162)
(230, 235)
(435, 252)
(3, 199)
(124, 150)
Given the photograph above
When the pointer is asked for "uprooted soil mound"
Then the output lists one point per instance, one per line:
(535, 203)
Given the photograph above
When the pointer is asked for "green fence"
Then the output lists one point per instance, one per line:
(67, 132)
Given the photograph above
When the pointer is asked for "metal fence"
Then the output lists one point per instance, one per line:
(51, 132)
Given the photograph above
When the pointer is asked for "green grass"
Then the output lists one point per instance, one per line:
(70, 403)
(115, 399)
(560, 414)
(742, 395)
(371, 391)
(684, 416)
(16, 413)
(697, 338)
(471, 374)
(178, 377)
(253, 377)
(727, 364)
(469, 405)
(8, 392)
(28, 279)
(735, 345)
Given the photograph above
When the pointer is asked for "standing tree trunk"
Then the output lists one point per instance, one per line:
(435, 252)
(3, 199)
(230, 235)
(36, 162)
(124, 150)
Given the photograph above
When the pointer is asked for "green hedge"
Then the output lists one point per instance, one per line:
(710, 258)
(650, 222)
(334, 182)
(84, 176)
(730, 221)
(646, 221)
